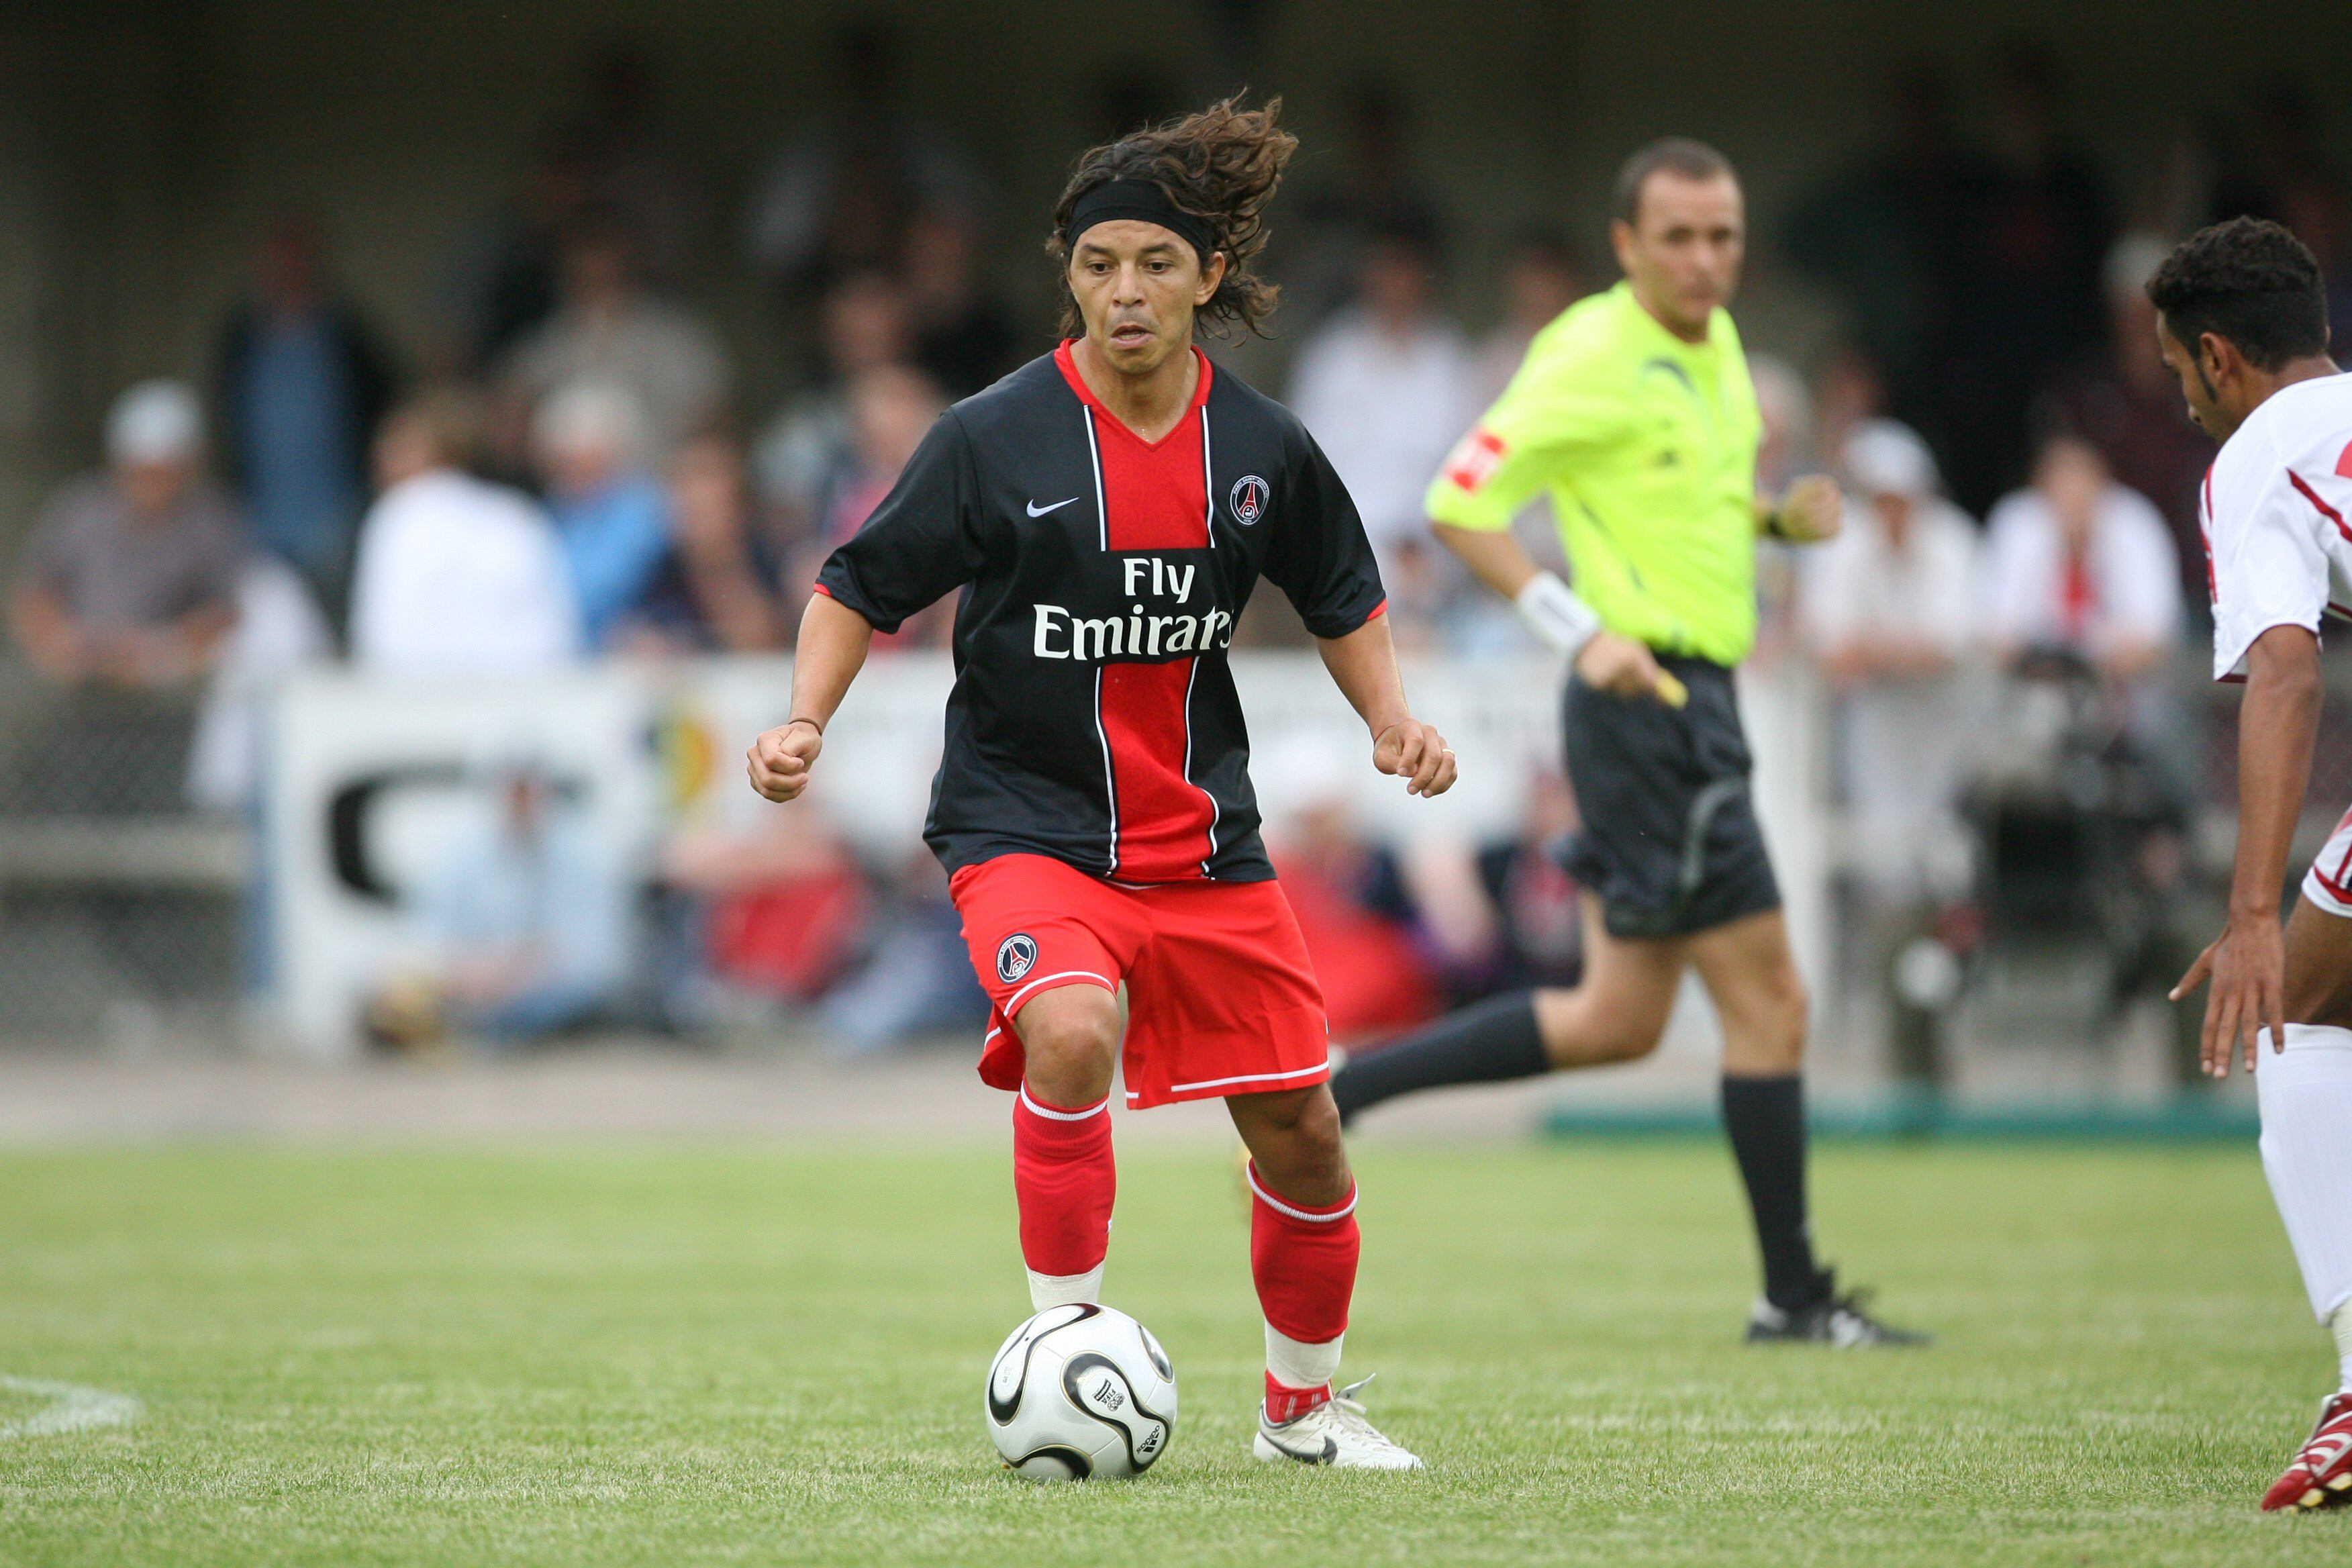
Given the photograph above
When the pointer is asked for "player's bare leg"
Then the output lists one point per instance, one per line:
(1303, 1249)
(2306, 1104)
(1063, 1171)
(1293, 1143)
(1070, 1036)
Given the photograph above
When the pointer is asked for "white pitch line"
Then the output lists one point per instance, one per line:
(71, 1408)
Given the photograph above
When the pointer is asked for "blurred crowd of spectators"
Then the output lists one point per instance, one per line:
(570, 470)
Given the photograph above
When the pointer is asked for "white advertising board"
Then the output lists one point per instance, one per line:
(367, 777)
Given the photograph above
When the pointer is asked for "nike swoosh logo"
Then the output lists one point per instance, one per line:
(1330, 1450)
(1037, 511)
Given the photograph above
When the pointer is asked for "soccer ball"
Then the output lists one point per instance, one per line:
(1081, 1392)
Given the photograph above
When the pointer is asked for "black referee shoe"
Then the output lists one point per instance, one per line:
(1834, 1318)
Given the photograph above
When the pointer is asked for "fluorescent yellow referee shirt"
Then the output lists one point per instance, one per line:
(1648, 445)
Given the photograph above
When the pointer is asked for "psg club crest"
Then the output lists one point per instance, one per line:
(1016, 955)
(1247, 501)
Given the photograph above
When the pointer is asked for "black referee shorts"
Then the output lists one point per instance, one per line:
(1670, 844)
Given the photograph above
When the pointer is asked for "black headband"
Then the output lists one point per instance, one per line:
(1144, 200)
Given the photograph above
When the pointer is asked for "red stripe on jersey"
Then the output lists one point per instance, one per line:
(2329, 512)
(1155, 493)
(1155, 496)
(1163, 818)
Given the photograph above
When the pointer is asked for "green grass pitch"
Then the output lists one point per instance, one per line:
(685, 1353)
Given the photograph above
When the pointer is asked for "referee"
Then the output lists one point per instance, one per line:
(1635, 411)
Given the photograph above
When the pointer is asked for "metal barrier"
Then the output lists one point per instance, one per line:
(119, 907)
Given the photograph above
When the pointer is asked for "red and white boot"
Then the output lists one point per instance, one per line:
(2321, 1476)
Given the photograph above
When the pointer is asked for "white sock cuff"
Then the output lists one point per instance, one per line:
(2340, 1320)
(1050, 1114)
(1050, 1291)
(1312, 1216)
(1295, 1364)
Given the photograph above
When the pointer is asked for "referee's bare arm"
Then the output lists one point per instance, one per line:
(1606, 662)
(832, 649)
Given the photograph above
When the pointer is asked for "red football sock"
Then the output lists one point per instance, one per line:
(1065, 1180)
(1304, 1260)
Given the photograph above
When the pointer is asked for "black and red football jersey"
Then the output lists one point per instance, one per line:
(1093, 717)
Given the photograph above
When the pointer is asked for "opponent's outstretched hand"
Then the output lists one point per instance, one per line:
(1413, 752)
(2247, 964)
(780, 759)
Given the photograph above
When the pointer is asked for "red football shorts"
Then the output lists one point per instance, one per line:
(1221, 996)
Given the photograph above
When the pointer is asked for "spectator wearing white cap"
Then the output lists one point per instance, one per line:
(130, 575)
(611, 512)
(1891, 610)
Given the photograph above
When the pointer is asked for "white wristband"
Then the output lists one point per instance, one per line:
(1565, 621)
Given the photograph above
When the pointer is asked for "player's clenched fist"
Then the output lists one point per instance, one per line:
(780, 759)
(1413, 752)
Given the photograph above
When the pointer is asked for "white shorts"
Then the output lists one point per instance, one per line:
(2328, 883)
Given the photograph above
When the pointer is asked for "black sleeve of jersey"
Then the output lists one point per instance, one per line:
(1319, 556)
(921, 543)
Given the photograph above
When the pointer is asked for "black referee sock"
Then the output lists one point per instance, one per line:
(1765, 1118)
(1494, 1040)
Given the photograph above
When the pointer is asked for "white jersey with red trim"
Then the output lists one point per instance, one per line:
(2277, 507)
(2328, 883)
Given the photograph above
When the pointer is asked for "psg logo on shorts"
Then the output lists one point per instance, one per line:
(1016, 955)
(1247, 501)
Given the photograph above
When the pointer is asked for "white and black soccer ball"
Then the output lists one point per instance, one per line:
(1081, 1392)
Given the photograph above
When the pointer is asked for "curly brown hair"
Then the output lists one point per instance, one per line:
(1221, 165)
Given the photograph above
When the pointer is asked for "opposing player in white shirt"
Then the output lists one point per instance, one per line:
(2243, 323)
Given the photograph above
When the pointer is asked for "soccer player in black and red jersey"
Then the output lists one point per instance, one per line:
(1106, 511)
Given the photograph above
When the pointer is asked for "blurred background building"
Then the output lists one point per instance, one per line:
(472, 345)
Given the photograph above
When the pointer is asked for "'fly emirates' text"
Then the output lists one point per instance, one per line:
(1139, 633)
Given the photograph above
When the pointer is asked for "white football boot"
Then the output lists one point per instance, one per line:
(1334, 1433)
